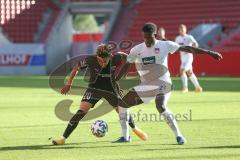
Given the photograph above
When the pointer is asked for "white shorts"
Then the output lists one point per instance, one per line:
(147, 92)
(186, 66)
(186, 61)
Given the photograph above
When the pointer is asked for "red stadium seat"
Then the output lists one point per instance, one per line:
(23, 27)
(167, 14)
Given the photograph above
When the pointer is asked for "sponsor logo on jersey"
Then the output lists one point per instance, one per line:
(157, 50)
(104, 75)
(149, 60)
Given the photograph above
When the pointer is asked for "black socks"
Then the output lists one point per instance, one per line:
(131, 122)
(73, 123)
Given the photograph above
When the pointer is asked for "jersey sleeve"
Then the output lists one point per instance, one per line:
(172, 46)
(132, 55)
(193, 40)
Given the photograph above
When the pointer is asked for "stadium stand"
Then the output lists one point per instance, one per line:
(230, 43)
(48, 22)
(21, 20)
(169, 15)
(125, 17)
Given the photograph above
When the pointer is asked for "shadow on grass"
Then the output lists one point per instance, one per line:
(221, 147)
(183, 147)
(199, 156)
(65, 146)
(111, 145)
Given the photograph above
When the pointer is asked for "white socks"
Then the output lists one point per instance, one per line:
(171, 121)
(194, 80)
(124, 117)
(184, 81)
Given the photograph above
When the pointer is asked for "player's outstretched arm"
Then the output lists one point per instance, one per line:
(196, 50)
(68, 85)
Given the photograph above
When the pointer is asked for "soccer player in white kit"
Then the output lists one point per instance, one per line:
(150, 58)
(186, 69)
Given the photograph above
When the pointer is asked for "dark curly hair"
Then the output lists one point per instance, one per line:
(103, 50)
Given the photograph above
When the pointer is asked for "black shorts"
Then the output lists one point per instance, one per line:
(93, 95)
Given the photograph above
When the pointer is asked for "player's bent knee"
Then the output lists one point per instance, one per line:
(160, 103)
(182, 72)
(85, 106)
(161, 109)
(189, 73)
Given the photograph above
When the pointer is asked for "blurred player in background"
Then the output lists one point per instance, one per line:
(161, 34)
(102, 84)
(150, 58)
(186, 69)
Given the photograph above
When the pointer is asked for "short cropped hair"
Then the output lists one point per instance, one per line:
(149, 28)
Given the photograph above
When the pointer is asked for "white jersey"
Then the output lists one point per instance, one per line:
(152, 62)
(186, 40)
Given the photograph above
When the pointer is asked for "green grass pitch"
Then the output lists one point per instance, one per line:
(28, 120)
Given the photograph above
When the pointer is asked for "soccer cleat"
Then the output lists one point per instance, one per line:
(181, 140)
(141, 134)
(60, 141)
(184, 90)
(198, 89)
(122, 140)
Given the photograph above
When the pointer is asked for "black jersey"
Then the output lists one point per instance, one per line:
(101, 78)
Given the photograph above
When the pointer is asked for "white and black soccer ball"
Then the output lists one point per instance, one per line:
(99, 128)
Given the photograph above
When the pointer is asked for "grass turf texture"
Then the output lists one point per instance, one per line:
(28, 120)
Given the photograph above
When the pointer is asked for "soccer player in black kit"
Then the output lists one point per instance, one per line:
(102, 84)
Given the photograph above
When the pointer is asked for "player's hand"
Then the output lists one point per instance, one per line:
(216, 55)
(65, 89)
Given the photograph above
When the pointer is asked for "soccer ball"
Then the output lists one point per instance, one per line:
(99, 128)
